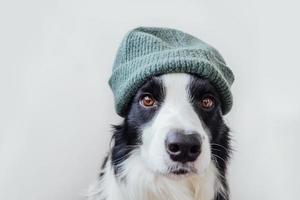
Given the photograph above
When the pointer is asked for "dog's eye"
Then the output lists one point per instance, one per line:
(147, 101)
(207, 103)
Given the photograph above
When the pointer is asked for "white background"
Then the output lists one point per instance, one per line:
(56, 107)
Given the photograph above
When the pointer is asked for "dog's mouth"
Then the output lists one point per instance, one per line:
(180, 172)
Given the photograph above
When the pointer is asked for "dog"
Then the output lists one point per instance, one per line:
(172, 145)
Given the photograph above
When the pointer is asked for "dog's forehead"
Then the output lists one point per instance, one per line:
(177, 84)
(176, 80)
(191, 84)
(166, 83)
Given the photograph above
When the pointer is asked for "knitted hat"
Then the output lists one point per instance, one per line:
(149, 51)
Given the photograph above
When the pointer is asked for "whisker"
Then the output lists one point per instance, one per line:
(219, 150)
(116, 161)
(215, 144)
(219, 157)
(226, 149)
(215, 161)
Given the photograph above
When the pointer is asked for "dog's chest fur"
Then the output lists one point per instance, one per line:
(142, 184)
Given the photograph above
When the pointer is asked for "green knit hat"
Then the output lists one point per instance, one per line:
(149, 51)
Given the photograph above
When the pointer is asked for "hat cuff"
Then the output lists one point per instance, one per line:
(143, 68)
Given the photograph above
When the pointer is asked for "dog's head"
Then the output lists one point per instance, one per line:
(175, 123)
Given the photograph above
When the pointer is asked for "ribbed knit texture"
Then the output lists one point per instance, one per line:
(149, 51)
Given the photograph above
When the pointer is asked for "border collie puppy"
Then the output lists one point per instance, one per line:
(172, 145)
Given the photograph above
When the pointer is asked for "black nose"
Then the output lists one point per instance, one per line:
(183, 147)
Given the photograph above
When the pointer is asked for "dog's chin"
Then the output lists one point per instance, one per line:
(179, 172)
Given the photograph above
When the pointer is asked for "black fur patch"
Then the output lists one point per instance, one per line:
(213, 120)
(103, 166)
(127, 135)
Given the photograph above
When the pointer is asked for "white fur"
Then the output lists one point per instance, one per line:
(175, 113)
(145, 171)
(143, 184)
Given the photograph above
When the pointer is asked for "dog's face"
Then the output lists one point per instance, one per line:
(175, 121)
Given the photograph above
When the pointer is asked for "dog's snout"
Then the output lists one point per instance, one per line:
(183, 147)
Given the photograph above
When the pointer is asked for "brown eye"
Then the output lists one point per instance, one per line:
(148, 101)
(207, 103)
